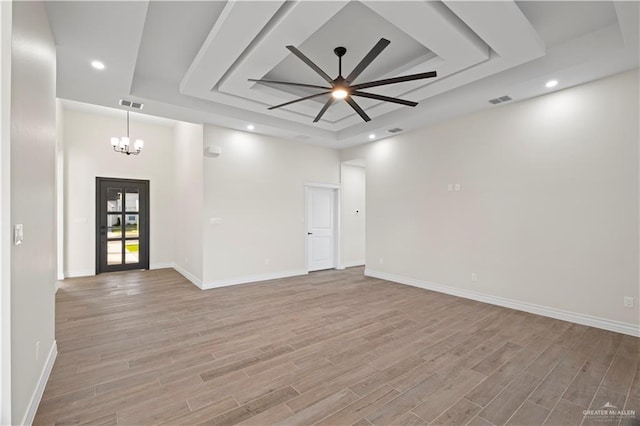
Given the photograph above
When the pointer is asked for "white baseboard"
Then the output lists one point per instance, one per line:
(188, 275)
(591, 321)
(32, 408)
(80, 273)
(161, 265)
(352, 263)
(252, 279)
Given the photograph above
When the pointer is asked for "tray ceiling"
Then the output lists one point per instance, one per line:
(192, 60)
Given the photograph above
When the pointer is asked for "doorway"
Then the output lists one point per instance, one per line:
(122, 224)
(322, 226)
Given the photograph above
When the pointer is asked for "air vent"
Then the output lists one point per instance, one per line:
(500, 100)
(395, 130)
(131, 104)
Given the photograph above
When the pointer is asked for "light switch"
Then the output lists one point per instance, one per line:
(18, 234)
(456, 187)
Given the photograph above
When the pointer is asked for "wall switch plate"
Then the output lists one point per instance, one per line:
(449, 187)
(382, 261)
(456, 187)
(474, 276)
(628, 302)
(18, 234)
(215, 221)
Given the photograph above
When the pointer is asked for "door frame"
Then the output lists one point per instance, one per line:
(144, 262)
(337, 191)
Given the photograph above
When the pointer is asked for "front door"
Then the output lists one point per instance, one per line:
(320, 228)
(122, 224)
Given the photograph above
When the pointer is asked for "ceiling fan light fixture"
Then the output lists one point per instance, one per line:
(343, 88)
(339, 93)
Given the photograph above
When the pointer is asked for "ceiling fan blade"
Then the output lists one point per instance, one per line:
(309, 62)
(384, 98)
(373, 53)
(357, 108)
(300, 99)
(324, 109)
(394, 80)
(313, 86)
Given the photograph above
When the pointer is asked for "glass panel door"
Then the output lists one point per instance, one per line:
(122, 224)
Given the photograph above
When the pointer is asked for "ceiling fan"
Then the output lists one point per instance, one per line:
(343, 88)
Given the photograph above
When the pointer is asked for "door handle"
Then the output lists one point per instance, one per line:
(309, 233)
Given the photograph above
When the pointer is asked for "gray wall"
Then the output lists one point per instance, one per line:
(33, 137)
(547, 213)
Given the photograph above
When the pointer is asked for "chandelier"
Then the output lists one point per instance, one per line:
(123, 144)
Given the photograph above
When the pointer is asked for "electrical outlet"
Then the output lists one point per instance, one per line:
(382, 261)
(628, 302)
(267, 261)
(37, 350)
(474, 276)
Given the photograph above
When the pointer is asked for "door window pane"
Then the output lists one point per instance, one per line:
(114, 252)
(131, 225)
(114, 199)
(132, 200)
(132, 254)
(114, 226)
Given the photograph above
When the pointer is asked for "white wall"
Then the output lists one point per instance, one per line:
(353, 182)
(548, 208)
(33, 263)
(188, 158)
(256, 188)
(88, 154)
(59, 190)
(5, 212)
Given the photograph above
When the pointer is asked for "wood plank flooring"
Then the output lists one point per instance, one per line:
(330, 348)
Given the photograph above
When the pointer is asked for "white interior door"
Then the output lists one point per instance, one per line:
(320, 228)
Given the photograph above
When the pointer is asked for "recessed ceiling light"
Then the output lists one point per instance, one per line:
(371, 136)
(250, 127)
(551, 83)
(97, 65)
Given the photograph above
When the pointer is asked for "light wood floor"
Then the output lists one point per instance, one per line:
(334, 348)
